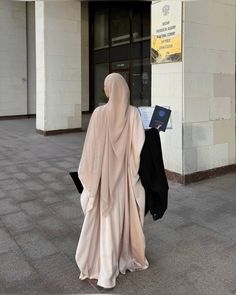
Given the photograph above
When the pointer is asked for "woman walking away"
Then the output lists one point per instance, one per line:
(113, 199)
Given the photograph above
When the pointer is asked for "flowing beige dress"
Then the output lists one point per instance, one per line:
(113, 200)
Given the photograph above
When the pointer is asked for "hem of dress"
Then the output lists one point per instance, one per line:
(108, 286)
(84, 277)
(134, 269)
(99, 283)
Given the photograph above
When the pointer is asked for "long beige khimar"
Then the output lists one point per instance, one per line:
(110, 148)
(113, 200)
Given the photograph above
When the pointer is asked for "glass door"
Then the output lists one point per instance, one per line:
(120, 42)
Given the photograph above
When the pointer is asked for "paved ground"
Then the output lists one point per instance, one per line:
(192, 250)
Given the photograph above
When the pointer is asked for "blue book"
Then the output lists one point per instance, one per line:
(161, 117)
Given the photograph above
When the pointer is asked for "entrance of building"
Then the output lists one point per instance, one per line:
(120, 42)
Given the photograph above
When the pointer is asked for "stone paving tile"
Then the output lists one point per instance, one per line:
(14, 270)
(73, 196)
(33, 169)
(62, 275)
(34, 208)
(10, 184)
(124, 286)
(3, 176)
(53, 226)
(3, 194)
(21, 176)
(74, 160)
(33, 185)
(64, 164)
(11, 169)
(173, 220)
(66, 178)
(7, 243)
(35, 244)
(47, 177)
(5, 163)
(163, 232)
(56, 186)
(77, 223)
(67, 244)
(22, 195)
(43, 164)
(7, 205)
(191, 250)
(2, 291)
(54, 170)
(17, 222)
(66, 210)
(35, 286)
(48, 197)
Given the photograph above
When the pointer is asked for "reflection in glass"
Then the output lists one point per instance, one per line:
(140, 24)
(101, 29)
(140, 83)
(136, 25)
(120, 26)
(120, 65)
(100, 73)
(146, 23)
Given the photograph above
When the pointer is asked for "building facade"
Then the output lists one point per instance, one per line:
(55, 54)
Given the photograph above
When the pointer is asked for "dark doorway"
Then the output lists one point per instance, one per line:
(120, 42)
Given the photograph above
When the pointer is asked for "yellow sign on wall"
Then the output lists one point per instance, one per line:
(166, 32)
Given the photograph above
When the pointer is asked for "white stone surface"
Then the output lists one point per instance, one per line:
(202, 134)
(219, 155)
(196, 109)
(209, 85)
(203, 158)
(223, 85)
(200, 90)
(13, 84)
(85, 55)
(220, 108)
(203, 60)
(190, 160)
(167, 91)
(31, 58)
(58, 66)
(197, 84)
(198, 14)
(40, 67)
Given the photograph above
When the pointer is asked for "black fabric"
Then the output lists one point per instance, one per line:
(77, 182)
(152, 175)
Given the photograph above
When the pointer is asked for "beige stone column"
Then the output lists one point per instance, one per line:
(58, 66)
(201, 93)
(13, 64)
(209, 87)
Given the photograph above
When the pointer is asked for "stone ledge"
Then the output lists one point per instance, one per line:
(59, 131)
(200, 175)
(13, 117)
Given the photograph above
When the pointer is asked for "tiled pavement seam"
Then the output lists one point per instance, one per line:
(191, 250)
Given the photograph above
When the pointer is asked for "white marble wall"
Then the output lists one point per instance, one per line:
(31, 67)
(85, 55)
(58, 65)
(200, 90)
(209, 85)
(167, 91)
(13, 84)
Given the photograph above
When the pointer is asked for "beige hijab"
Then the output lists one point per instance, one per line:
(118, 93)
(106, 151)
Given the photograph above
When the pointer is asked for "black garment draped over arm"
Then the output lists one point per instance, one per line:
(152, 175)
